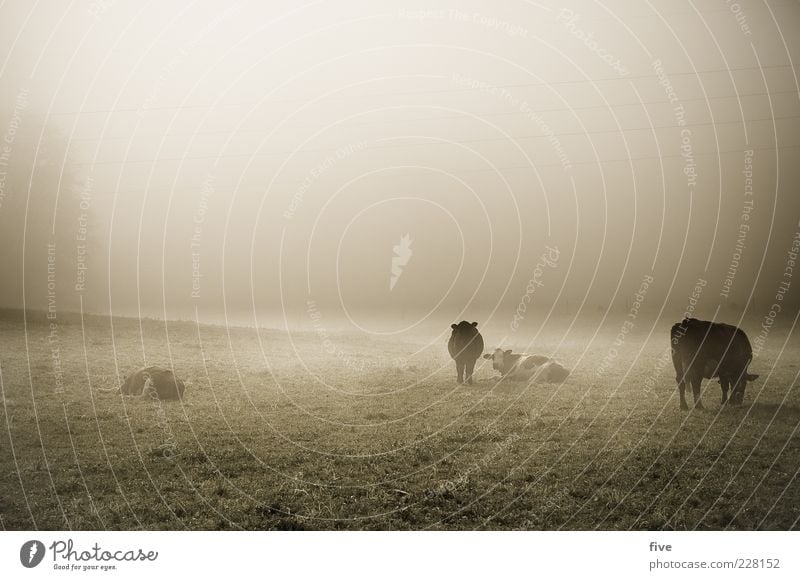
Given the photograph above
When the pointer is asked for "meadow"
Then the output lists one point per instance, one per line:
(295, 431)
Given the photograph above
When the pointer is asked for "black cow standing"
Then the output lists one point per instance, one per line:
(706, 350)
(465, 346)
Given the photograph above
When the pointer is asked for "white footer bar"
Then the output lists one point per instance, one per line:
(379, 555)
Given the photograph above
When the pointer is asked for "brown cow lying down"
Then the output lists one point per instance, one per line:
(154, 381)
(529, 367)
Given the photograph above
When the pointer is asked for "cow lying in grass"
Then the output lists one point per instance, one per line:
(154, 382)
(527, 367)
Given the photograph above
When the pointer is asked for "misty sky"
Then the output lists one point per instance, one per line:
(253, 159)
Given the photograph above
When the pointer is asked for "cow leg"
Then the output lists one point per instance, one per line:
(680, 378)
(460, 370)
(470, 369)
(737, 395)
(725, 384)
(682, 391)
(696, 382)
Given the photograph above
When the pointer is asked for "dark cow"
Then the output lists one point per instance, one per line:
(155, 382)
(706, 350)
(465, 346)
(519, 366)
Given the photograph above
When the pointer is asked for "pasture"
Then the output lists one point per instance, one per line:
(374, 433)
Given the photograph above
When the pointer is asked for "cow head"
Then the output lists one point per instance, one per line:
(464, 327)
(498, 359)
(737, 394)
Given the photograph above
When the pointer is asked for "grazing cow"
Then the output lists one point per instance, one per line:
(155, 382)
(527, 366)
(706, 350)
(465, 346)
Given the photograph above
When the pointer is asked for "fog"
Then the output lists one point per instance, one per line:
(380, 164)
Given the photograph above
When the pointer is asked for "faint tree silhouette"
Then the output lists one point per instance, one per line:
(39, 214)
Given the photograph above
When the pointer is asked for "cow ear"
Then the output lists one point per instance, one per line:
(453, 326)
(508, 352)
(487, 356)
(474, 324)
(752, 377)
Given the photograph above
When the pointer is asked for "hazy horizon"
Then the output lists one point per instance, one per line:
(380, 160)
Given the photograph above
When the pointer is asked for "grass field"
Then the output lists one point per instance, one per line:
(374, 433)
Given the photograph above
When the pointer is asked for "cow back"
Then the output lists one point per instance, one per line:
(465, 341)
